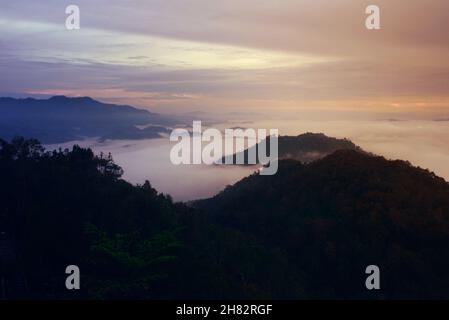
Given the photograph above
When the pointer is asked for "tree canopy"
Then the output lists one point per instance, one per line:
(307, 232)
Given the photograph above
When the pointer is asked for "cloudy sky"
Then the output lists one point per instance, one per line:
(252, 55)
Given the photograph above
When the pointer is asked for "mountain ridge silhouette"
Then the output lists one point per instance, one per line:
(60, 119)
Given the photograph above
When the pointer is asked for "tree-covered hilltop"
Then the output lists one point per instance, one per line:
(306, 147)
(337, 215)
(307, 232)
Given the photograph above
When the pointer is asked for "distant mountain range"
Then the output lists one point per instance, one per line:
(61, 119)
(305, 148)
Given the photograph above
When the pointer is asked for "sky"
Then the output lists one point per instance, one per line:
(282, 56)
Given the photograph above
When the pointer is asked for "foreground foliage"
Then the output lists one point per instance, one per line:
(307, 232)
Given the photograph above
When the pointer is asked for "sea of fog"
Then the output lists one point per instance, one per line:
(423, 143)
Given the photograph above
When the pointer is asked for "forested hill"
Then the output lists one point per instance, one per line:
(336, 216)
(307, 232)
(70, 207)
(61, 119)
(306, 147)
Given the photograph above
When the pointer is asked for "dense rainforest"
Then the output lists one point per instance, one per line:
(307, 232)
